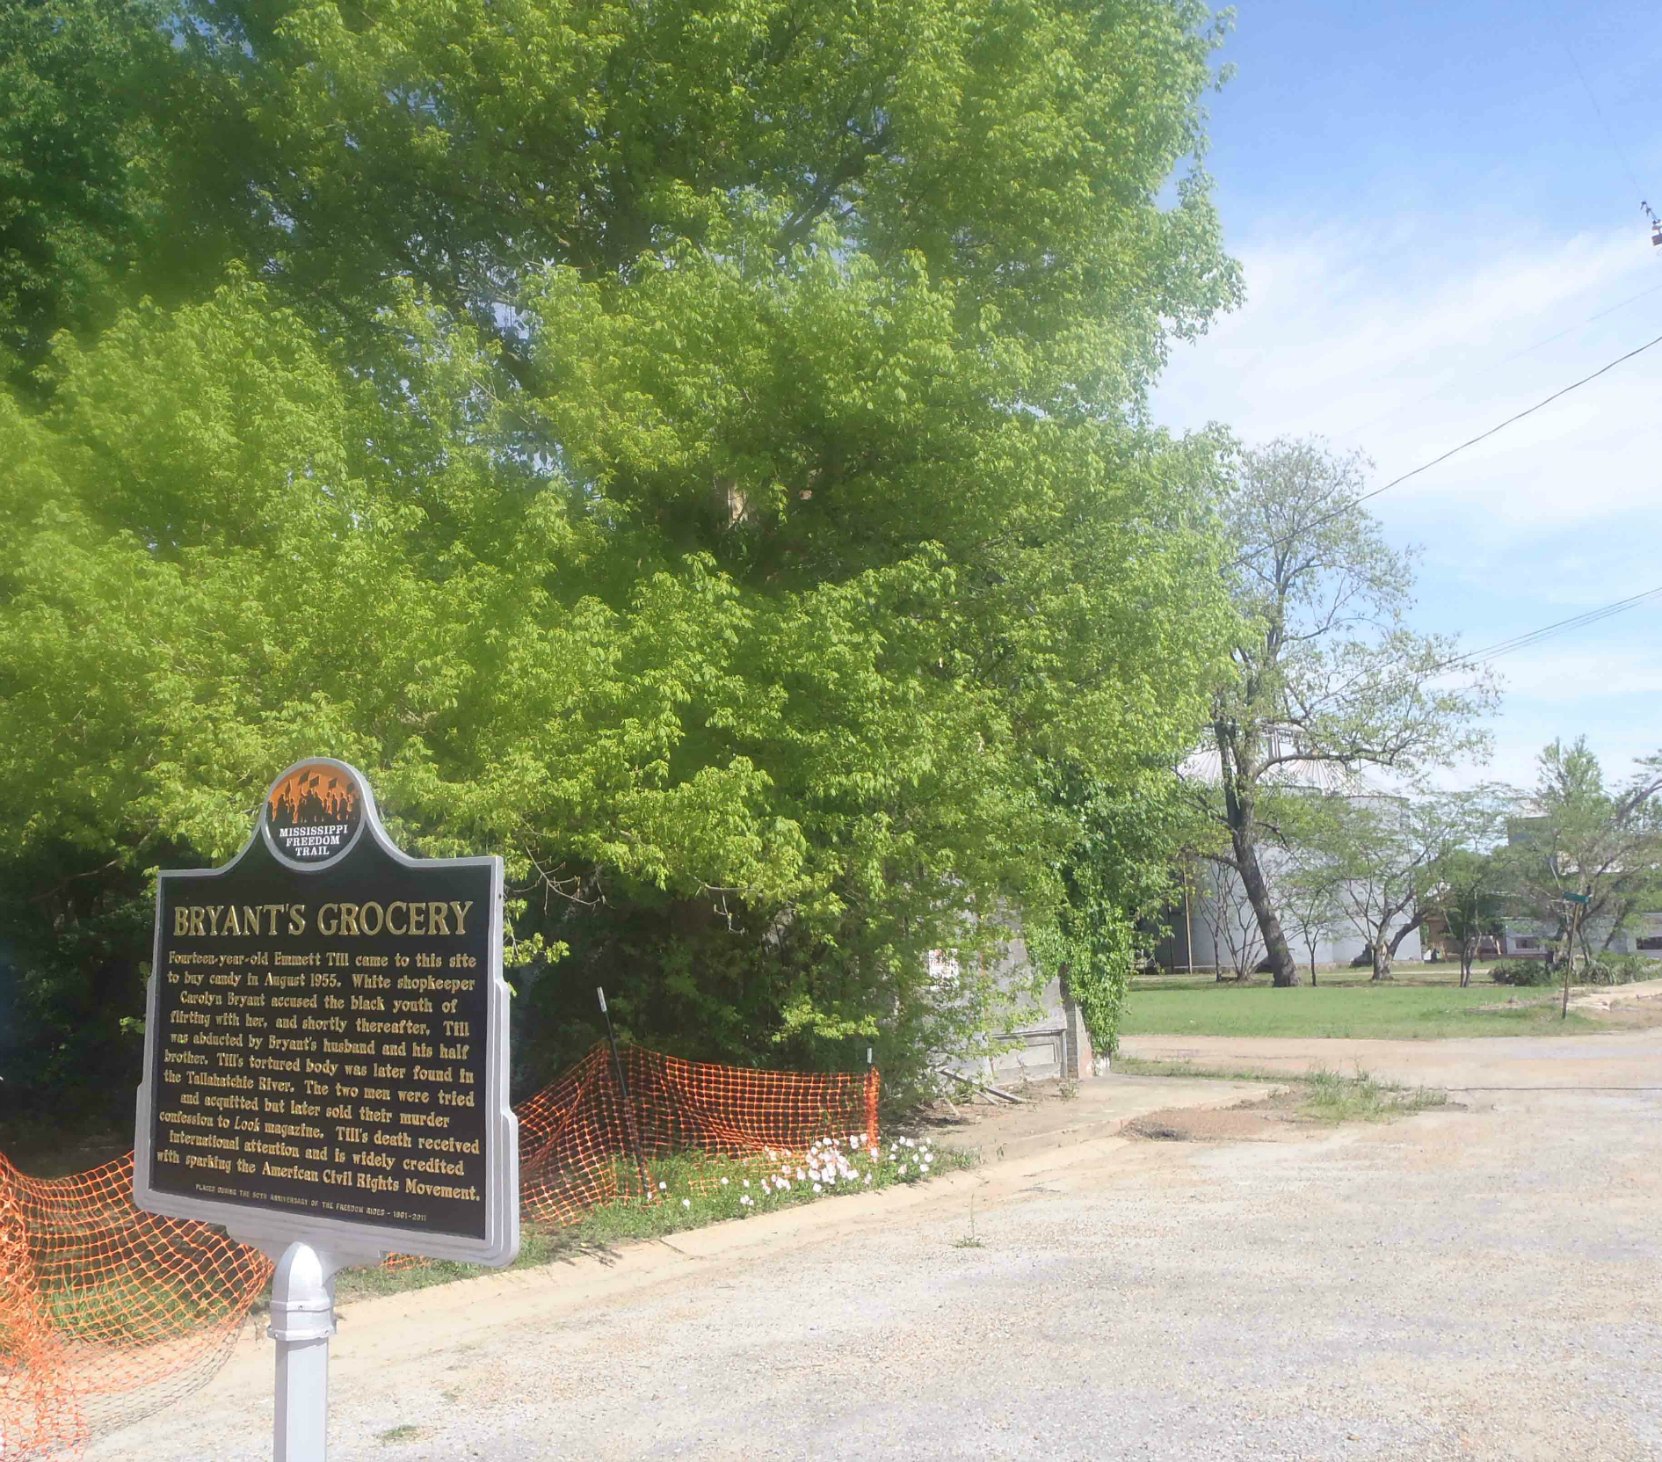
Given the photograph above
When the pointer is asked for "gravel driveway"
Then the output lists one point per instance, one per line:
(1478, 1281)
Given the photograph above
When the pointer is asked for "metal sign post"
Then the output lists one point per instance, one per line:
(326, 1063)
(629, 1132)
(302, 1320)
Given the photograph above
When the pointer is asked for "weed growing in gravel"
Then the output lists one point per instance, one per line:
(1136, 1066)
(1330, 1097)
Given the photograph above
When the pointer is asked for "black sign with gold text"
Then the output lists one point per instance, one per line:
(323, 1032)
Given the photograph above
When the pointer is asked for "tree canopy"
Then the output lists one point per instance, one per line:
(1329, 677)
(695, 451)
(1585, 856)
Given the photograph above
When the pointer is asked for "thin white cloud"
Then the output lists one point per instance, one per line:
(1403, 355)
(1611, 673)
(1404, 343)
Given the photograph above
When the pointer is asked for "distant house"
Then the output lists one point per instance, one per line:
(1438, 943)
(1524, 938)
(1532, 939)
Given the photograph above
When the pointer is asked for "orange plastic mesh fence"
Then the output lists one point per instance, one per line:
(577, 1137)
(108, 1313)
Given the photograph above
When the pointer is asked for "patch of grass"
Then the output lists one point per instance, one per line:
(698, 1189)
(1330, 1097)
(126, 1307)
(1442, 975)
(1138, 1066)
(404, 1433)
(536, 1247)
(1356, 1011)
(1326, 1096)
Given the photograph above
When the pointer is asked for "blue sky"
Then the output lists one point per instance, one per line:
(1430, 213)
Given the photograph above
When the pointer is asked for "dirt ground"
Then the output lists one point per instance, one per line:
(1479, 1280)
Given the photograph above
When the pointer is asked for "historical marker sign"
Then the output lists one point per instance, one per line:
(326, 1051)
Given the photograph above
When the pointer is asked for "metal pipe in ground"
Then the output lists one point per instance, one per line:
(631, 1136)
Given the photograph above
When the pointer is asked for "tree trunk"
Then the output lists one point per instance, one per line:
(1283, 967)
(1238, 783)
(1382, 965)
(1572, 934)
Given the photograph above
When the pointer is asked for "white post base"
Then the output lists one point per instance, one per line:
(302, 1320)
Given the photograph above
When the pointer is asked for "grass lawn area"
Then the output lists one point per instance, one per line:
(1419, 1002)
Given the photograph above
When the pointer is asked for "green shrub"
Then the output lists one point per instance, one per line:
(1607, 969)
(1622, 969)
(1522, 972)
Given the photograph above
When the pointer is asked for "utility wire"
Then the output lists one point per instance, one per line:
(1443, 381)
(1535, 636)
(1473, 658)
(1609, 131)
(1483, 436)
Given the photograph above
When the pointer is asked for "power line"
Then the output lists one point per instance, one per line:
(1535, 636)
(1443, 381)
(1609, 131)
(1522, 641)
(1482, 436)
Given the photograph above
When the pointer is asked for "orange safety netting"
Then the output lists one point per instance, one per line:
(577, 1137)
(108, 1313)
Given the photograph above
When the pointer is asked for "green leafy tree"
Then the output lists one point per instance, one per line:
(1586, 857)
(1470, 893)
(693, 451)
(1328, 678)
(1387, 852)
(1310, 874)
(100, 200)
